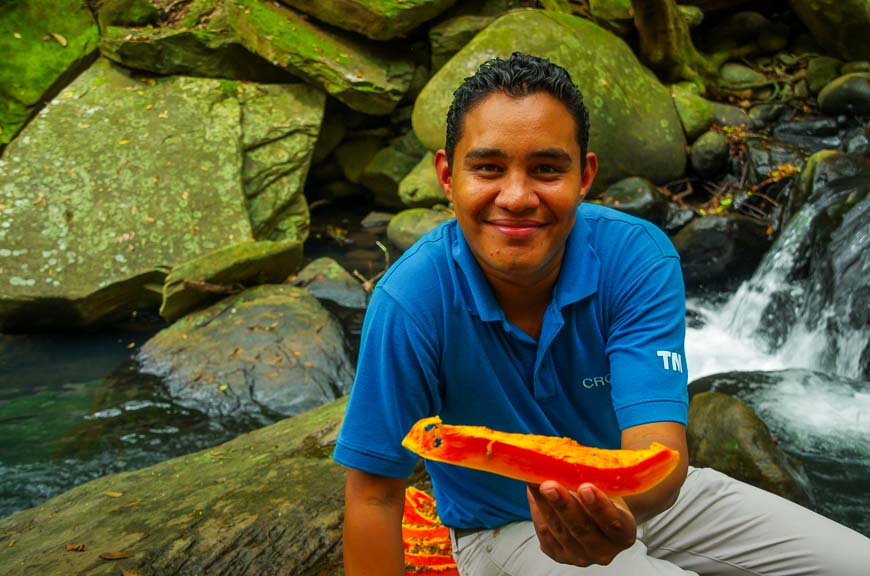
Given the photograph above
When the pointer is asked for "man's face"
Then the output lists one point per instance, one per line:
(515, 183)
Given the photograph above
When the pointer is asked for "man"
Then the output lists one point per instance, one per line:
(533, 313)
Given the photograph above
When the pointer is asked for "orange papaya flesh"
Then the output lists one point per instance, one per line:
(534, 458)
(426, 540)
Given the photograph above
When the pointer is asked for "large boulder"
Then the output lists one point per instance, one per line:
(268, 502)
(119, 179)
(253, 40)
(725, 434)
(634, 126)
(376, 19)
(44, 46)
(268, 352)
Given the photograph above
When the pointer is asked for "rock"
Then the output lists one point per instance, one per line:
(692, 15)
(812, 134)
(638, 197)
(710, 154)
(409, 225)
(725, 434)
(678, 217)
(377, 19)
(738, 75)
(280, 126)
(131, 13)
(840, 27)
(272, 351)
(143, 176)
(262, 41)
(389, 166)
(332, 132)
(448, 37)
(268, 502)
(212, 276)
(613, 10)
(343, 190)
(821, 70)
(849, 94)
(188, 38)
(717, 252)
(421, 188)
(696, 114)
(856, 141)
(761, 115)
(354, 154)
(727, 115)
(858, 66)
(766, 155)
(327, 280)
(634, 128)
(44, 45)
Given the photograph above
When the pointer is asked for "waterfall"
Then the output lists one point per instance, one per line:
(786, 316)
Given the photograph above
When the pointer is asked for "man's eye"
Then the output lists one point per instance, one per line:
(548, 169)
(487, 168)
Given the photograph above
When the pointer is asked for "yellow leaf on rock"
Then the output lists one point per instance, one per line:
(115, 555)
(113, 494)
(59, 39)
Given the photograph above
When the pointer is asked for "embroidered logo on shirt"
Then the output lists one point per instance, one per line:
(595, 381)
(671, 360)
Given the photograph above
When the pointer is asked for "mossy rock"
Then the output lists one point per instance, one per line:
(214, 275)
(327, 280)
(408, 226)
(376, 19)
(143, 175)
(448, 37)
(840, 26)
(384, 172)
(634, 130)
(849, 94)
(268, 502)
(725, 434)
(696, 113)
(421, 188)
(44, 45)
(265, 42)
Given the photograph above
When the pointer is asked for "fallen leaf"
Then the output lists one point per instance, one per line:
(123, 142)
(59, 39)
(114, 494)
(222, 387)
(75, 547)
(125, 572)
(131, 345)
(11, 544)
(115, 555)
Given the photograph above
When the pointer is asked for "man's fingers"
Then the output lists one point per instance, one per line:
(613, 521)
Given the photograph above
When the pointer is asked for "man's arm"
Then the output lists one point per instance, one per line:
(373, 524)
(583, 526)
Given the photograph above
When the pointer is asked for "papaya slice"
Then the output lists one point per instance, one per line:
(534, 458)
(426, 539)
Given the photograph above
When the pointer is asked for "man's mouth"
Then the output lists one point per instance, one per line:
(518, 229)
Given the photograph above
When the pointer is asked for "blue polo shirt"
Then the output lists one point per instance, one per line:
(435, 342)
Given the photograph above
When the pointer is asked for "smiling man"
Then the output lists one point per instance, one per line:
(533, 312)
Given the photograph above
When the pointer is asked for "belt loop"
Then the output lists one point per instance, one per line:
(453, 540)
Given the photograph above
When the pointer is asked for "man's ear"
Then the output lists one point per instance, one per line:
(588, 175)
(445, 177)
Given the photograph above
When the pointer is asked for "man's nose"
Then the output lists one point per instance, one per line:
(517, 193)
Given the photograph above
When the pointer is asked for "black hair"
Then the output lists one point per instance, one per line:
(520, 75)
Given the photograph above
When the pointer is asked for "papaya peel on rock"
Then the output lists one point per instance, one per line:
(534, 458)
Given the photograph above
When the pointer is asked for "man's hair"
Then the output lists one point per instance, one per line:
(520, 75)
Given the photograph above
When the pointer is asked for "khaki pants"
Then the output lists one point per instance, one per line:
(717, 526)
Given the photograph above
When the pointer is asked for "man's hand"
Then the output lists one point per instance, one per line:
(580, 528)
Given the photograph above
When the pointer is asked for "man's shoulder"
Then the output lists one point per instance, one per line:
(611, 229)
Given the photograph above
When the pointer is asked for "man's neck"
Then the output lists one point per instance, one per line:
(525, 300)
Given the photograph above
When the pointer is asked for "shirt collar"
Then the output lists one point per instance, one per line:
(578, 277)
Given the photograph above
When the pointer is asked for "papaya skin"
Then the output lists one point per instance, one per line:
(534, 458)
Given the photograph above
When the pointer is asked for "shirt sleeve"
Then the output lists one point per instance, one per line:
(395, 385)
(645, 345)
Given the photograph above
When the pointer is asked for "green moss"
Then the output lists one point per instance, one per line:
(32, 38)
